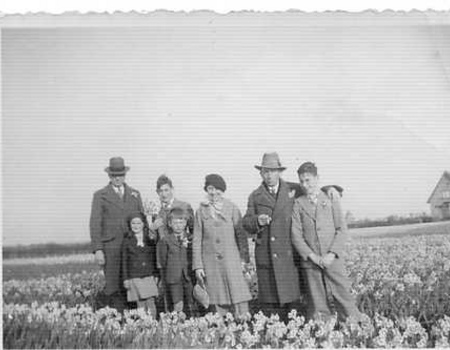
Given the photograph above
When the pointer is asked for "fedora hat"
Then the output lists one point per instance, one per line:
(117, 166)
(270, 161)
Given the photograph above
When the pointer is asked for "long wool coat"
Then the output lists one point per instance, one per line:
(278, 278)
(219, 245)
(321, 229)
(108, 227)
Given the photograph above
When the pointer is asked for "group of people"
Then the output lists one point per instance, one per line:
(299, 235)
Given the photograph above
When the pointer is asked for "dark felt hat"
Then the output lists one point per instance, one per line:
(215, 180)
(117, 166)
(270, 161)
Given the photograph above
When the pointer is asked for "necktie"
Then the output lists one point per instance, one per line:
(120, 192)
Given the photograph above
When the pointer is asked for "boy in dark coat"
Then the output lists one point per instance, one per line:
(175, 257)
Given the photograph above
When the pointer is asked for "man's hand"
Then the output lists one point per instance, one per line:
(264, 220)
(157, 224)
(127, 284)
(100, 257)
(333, 194)
(316, 259)
(200, 275)
(328, 259)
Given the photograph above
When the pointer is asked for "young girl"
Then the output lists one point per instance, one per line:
(139, 264)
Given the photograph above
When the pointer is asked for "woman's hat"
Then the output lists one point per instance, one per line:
(117, 166)
(215, 180)
(201, 295)
(270, 161)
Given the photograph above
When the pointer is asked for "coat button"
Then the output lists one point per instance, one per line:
(272, 239)
(217, 240)
(275, 255)
(143, 264)
(219, 256)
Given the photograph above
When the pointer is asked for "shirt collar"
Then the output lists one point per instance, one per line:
(168, 205)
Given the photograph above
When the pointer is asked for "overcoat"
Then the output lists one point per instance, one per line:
(108, 227)
(278, 277)
(321, 229)
(219, 244)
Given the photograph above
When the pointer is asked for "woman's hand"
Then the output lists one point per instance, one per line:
(127, 284)
(200, 275)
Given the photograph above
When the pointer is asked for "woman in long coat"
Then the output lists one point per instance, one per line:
(219, 246)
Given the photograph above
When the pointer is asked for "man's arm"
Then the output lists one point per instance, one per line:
(241, 235)
(95, 223)
(250, 220)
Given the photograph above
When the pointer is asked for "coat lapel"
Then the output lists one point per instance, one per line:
(112, 197)
(308, 207)
(282, 198)
(265, 198)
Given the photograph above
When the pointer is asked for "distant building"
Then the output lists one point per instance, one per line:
(440, 198)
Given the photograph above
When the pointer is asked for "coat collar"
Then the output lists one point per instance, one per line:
(311, 209)
(112, 197)
(226, 212)
(277, 204)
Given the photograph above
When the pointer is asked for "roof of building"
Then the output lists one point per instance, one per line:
(446, 175)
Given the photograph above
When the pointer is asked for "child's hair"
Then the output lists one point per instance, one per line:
(163, 180)
(177, 213)
(308, 167)
(144, 221)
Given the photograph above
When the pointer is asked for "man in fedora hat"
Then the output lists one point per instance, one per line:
(268, 217)
(111, 206)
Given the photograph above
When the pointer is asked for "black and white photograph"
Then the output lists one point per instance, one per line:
(248, 179)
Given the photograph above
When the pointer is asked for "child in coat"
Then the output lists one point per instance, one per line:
(175, 256)
(319, 235)
(139, 264)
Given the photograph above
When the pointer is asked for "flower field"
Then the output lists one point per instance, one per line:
(402, 286)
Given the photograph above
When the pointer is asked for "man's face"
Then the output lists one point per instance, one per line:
(165, 193)
(178, 225)
(117, 180)
(271, 177)
(309, 182)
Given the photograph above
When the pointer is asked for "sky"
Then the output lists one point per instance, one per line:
(369, 105)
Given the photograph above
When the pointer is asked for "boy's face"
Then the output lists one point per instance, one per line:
(309, 182)
(137, 226)
(165, 193)
(178, 225)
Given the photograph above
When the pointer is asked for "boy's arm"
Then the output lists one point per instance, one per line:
(338, 244)
(161, 254)
(297, 233)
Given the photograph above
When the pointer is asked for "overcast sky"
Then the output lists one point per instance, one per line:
(369, 105)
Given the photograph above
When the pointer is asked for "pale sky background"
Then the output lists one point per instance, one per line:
(369, 105)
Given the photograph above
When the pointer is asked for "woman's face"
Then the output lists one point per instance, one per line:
(214, 194)
(137, 226)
